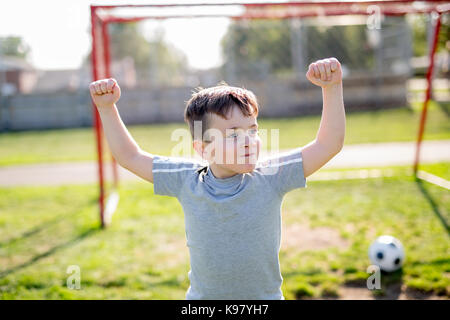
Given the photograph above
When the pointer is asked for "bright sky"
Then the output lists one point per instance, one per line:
(59, 36)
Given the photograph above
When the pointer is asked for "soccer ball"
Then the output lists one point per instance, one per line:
(387, 253)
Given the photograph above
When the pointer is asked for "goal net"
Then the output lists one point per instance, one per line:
(160, 52)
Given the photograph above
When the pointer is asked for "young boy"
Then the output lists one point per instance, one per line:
(232, 205)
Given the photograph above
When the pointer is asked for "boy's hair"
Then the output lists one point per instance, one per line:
(219, 100)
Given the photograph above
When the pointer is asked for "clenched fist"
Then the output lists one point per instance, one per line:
(105, 92)
(325, 72)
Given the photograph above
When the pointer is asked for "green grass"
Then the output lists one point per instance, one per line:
(362, 127)
(441, 169)
(360, 211)
(143, 254)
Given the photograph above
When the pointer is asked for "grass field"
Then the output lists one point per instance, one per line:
(327, 227)
(143, 254)
(365, 127)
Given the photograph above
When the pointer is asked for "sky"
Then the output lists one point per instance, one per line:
(58, 32)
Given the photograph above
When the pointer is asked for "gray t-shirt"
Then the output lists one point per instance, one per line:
(233, 225)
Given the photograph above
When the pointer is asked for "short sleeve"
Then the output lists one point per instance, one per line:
(284, 171)
(169, 174)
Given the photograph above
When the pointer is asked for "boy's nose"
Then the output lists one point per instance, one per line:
(247, 141)
(250, 143)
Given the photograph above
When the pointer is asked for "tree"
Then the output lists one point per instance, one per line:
(347, 43)
(258, 46)
(127, 41)
(155, 60)
(420, 25)
(251, 47)
(14, 47)
(168, 65)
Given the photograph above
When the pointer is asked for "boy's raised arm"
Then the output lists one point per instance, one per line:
(105, 93)
(329, 141)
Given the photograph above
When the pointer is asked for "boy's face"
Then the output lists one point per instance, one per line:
(232, 144)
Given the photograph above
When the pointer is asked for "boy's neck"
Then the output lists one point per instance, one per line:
(221, 173)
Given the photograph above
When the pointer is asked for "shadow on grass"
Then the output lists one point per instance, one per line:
(51, 251)
(445, 107)
(37, 229)
(391, 284)
(391, 287)
(436, 262)
(433, 205)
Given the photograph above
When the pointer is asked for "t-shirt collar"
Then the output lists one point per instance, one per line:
(211, 179)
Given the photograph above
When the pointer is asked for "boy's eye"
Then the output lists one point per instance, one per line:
(251, 132)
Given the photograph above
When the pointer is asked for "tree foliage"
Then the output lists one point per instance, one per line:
(267, 44)
(256, 47)
(155, 60)
(14, 46)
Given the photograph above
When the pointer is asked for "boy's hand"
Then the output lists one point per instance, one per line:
(105, 92)
(324, 73)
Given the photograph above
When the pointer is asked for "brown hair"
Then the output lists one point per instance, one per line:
(218, 100)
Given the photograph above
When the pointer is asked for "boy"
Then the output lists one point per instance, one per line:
(232, 205)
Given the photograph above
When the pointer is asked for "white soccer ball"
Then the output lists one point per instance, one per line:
(387, 252)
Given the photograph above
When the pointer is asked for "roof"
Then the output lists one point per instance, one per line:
(8, 63)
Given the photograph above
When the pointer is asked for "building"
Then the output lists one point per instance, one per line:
(16, 76)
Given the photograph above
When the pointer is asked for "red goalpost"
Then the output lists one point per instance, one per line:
(103, 15)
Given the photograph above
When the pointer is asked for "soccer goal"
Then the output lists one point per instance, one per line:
(263, 46)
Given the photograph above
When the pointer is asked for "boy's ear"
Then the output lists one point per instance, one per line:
(203, 149)
(198, 147)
